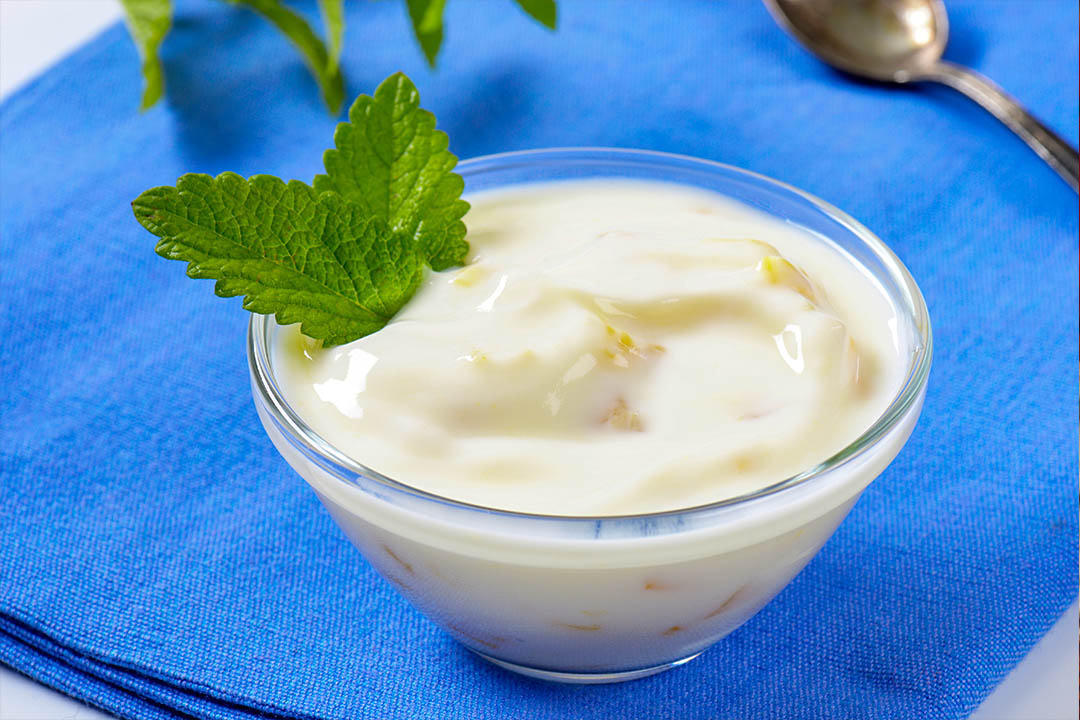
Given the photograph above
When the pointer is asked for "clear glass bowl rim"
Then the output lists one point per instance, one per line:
(905, 399)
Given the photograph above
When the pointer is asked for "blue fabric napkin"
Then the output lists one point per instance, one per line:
(159, 560)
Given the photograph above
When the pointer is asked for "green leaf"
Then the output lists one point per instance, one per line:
(311, 47)
(543, 11)
(314, 259)
(426, 16)
(148, 22)
(333, 15)
(390, 159)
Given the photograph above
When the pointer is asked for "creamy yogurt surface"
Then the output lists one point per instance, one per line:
(612, 347)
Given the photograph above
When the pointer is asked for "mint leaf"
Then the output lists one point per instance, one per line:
(426, 16)
(333, 15)
(341, 258)
(390, 159)
(314, 52)
(317, 260)
(148, 22)
(543, 11)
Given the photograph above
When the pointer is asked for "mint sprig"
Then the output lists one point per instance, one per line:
(427, 24)
(333, 15)
(341, 259)
(148, 22)
(427, 21)
(543, 11)
(390, 159)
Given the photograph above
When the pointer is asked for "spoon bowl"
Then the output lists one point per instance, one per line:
(885, 41)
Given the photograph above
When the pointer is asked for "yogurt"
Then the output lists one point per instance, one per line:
(612, 347)
(513, 450)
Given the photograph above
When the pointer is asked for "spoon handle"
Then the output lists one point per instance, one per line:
(1050, 146)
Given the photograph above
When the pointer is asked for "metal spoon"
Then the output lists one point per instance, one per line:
(902, 41)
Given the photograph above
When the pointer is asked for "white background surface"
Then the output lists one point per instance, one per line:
(36, 33)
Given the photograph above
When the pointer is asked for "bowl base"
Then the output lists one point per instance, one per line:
(585, 678)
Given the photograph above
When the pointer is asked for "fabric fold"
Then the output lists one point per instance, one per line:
(104, 684)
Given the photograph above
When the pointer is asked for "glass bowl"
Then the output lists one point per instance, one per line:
(605, 599)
